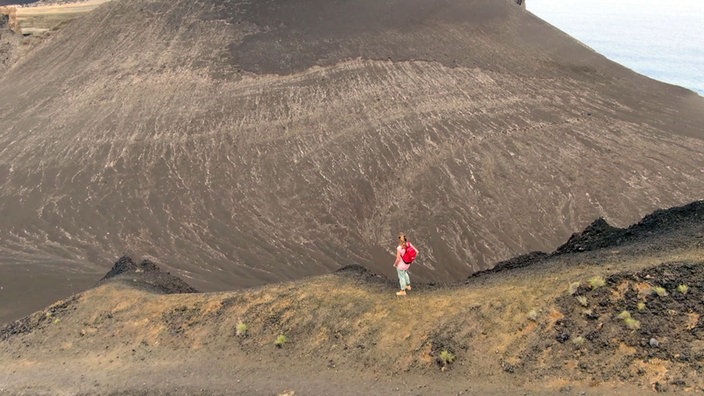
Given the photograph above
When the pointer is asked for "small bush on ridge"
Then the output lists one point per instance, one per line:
(582, 300)
(624, 315)
(573, 288)
(628, 320)
(660, 291)
(596, 282)
(447, 357)
(632, 323)
(241, 329)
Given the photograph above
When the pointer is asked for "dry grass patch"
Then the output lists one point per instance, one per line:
(582, 300)
(626, 349)
(555, 315)
(653, 370)
(619, 292)
(573, 287)
(643, 289)
(692, 320)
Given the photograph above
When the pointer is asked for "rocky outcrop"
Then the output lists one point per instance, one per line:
(146, 275)
(9, 40)
(4, 21)
(8, 18)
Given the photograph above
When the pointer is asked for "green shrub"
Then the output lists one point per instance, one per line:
(624, 315)
(628, 320)
(632, 323)
(660, 291)
(641, 306)
(579, 340)
(241, 329)
(447, 357)
(596, 282)
(280, 340)
(683, 288)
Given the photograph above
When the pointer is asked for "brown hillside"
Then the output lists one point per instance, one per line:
(539, 329)
(245, 143)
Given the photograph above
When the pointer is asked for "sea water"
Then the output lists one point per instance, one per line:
(662, 39)
(15, 2)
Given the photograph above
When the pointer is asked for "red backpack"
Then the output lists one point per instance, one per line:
(410, 254)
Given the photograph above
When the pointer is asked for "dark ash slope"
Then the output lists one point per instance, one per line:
(250, 142)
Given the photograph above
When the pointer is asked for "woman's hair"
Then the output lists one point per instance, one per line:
(402, 240)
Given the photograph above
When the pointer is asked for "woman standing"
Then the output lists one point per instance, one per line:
(404, 249)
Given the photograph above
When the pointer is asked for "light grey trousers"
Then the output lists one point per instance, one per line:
(403, 278)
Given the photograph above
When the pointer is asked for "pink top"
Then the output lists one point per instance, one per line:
(399, 261)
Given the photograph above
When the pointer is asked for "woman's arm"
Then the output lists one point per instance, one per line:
(398, 256)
